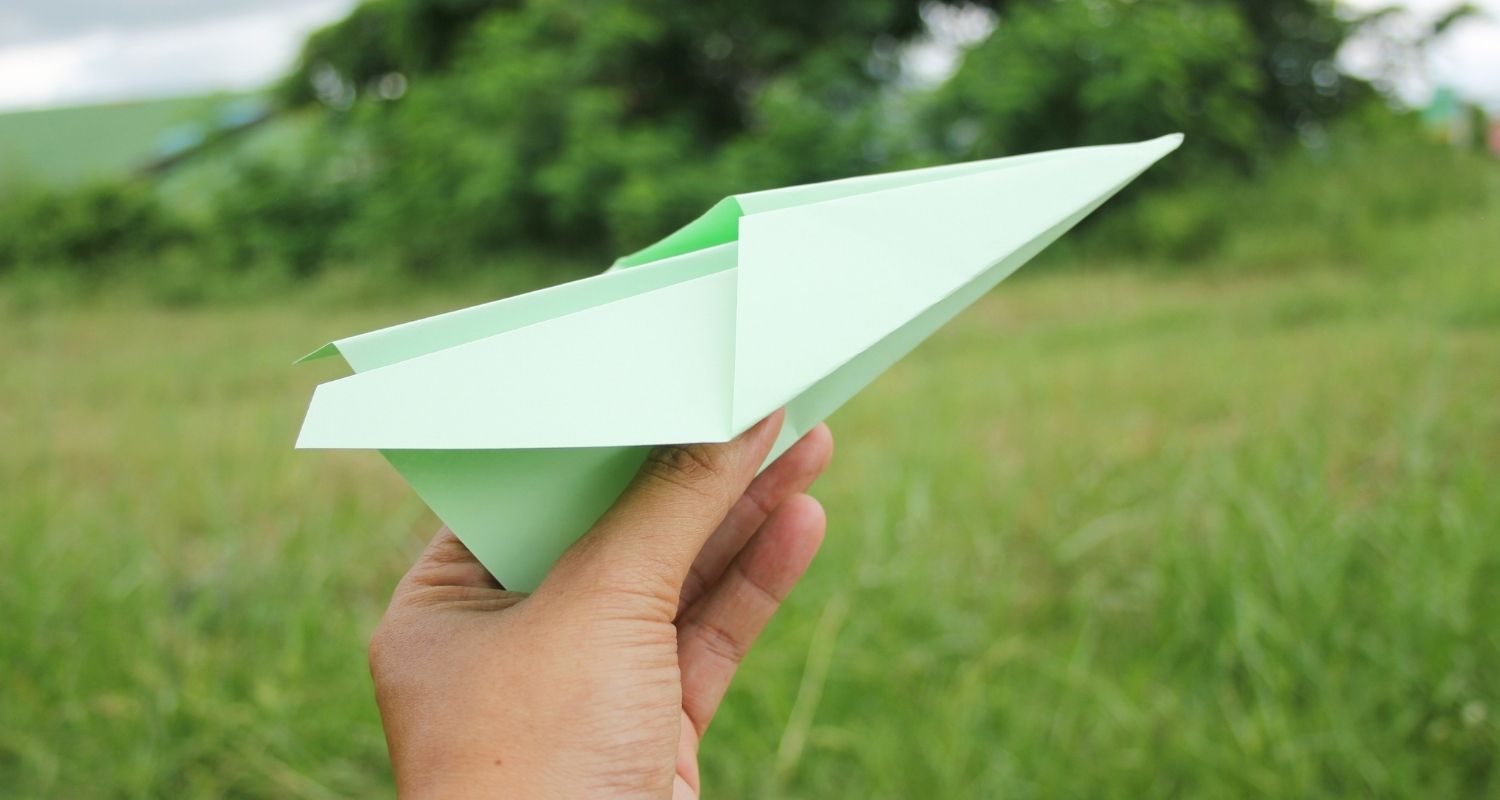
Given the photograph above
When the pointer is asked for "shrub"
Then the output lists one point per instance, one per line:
(92, 229)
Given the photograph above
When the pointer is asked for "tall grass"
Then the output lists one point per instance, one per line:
(1112, 534)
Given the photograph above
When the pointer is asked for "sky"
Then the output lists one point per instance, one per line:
(1467, 59)
(72, 52)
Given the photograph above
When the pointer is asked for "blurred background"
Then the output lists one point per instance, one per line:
(1203, 502)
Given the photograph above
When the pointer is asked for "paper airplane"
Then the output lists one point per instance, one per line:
(520, 421)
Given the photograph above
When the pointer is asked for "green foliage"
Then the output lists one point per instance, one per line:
(1240, 78)
(380, 38)
(605, 125)
(90, 229)
(1057, 74)
(453, 131)
(1329, 204)
(568, 123)
(1296, 44)
(288, 217)
(703, 58)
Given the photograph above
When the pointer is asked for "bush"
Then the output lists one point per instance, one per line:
(278, 217)
(1332, 203)
(1064, 74)
(453, 131)
(91, 230)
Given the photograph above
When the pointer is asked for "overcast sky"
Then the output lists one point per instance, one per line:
(67, 52)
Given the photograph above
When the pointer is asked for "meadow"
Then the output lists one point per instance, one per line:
(1117, 532)
(65, 145)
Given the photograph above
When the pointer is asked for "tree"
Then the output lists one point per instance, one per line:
(610, 122)
(380, 38)
(1240, 77)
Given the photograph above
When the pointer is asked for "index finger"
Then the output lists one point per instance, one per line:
(648, 539)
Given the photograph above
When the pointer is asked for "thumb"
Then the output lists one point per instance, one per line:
(646, 542)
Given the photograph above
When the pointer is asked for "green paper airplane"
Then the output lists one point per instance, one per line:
(520, 421)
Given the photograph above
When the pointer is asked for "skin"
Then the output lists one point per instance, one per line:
(603, 681)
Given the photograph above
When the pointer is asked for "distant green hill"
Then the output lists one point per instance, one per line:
(68, 145)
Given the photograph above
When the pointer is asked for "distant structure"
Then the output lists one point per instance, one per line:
(1448, 118)
(181, 142)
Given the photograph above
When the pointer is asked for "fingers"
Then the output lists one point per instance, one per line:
(716, 632)
(447, 562)
(791, 474)
(648, 539)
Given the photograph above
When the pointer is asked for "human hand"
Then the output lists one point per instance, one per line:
(602, 682)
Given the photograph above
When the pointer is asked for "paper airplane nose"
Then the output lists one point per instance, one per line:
(820, 285)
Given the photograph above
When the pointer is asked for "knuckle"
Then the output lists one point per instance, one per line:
(448, 551)
(694, 467)
(761, 592)
(694, 584)
(720, 643)
(634, 592)
(379, 647)
(631, 587)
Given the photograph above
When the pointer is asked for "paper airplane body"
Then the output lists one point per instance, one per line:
(520, 421)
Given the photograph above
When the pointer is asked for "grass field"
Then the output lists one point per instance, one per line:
(67, 145)
(1108, 535)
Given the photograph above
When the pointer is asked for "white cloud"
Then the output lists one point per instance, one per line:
(235, 52)
(32, 21)
(1466, 58)
(79, 51)
(1469, 60)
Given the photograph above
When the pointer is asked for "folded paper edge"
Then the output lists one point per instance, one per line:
(308, 439)
(327, 350)
(736, 206)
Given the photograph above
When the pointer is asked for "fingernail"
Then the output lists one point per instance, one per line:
(771, 422)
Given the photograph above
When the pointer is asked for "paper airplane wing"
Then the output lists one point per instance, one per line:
(621, 359)
(821, 285)
(417, 338)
